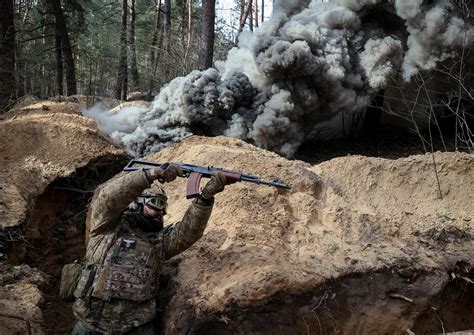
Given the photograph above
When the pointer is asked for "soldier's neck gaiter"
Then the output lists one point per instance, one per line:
(140, 221)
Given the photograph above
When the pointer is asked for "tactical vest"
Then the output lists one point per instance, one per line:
(129, 271)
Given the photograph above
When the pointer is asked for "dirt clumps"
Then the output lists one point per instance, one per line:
(39, 147)
(74, 104)
(21, 299)
(357, 245)
(128, 104)
(354, 232)
(52, 160)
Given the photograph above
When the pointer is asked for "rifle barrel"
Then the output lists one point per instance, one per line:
(207, 171)
(273, 182)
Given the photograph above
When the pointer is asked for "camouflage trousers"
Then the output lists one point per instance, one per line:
(146, 329)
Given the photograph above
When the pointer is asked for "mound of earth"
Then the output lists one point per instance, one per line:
(128, 104)
(52, 159)
(20, 300)
(74, 104)
(38, 148)
(358, 243)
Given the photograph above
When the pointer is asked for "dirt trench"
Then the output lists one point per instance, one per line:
(381, 302)
(388, 301)
(54, 235)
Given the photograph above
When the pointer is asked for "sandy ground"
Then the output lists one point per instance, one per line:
(39, 145)
(347, 217)
(20, 300)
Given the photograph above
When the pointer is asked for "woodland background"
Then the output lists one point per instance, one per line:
(111, 48)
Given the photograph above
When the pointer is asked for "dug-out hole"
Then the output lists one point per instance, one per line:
(54, 231)
(382, 302)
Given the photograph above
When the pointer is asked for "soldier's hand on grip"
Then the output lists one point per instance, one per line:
(215, 185)
(167, 173)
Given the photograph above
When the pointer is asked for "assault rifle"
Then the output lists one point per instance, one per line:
(194, 173)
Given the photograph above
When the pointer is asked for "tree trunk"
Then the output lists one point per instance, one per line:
(59, 65)
(251, 15)
(190, 29)
(122, 73)
(262, 10)
(133, 51)
(207, 33)
(66, 49)
(242, 22)
(167, 26)
(242, 12)
(181, 4)
(7, 54)
(20, 64)
(256, 13)
(154, 50)
(20, 71)
(166, 62)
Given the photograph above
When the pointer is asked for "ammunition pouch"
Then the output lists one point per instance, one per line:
(70, 275)
(84, 285)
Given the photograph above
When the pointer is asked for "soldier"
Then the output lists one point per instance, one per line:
(118, 284)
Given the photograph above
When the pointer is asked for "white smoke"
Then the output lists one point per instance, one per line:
(307, 64)
(408, 9)
(381, 60)
(124, 121)
(435, 34)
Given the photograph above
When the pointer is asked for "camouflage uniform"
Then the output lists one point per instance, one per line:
(110, 221)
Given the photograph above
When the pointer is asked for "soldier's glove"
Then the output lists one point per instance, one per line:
(214, 186)
(165, 173)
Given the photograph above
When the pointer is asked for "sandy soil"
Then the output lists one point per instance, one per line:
(21, 299)
(358, 245)
(345, 216)
(39, 147)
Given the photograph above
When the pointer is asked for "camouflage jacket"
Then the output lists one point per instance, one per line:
(108, 223)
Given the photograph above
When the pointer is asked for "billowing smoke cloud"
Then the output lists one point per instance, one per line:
(308, 63)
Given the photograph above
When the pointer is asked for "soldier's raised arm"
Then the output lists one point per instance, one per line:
(113, 198)
(180, 236)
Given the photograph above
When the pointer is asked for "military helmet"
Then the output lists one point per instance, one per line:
(156, 198)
